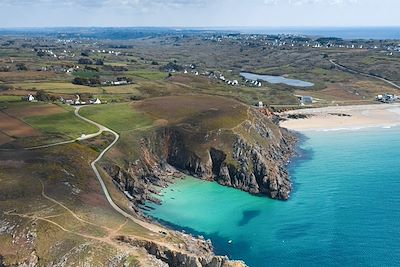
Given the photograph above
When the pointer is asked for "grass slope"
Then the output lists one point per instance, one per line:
(63, 123)
(119, 117)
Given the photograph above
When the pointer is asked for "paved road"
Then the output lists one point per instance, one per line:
(364, 74)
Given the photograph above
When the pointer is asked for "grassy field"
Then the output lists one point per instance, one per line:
(149, 75)
(119, 117)
(58, 87)
(64, 123)
(9, 98)
(209, 112)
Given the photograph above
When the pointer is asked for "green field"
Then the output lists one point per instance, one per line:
(9, 98)
(58, 87)
(149, 75)
(63, 123)
(119, 117)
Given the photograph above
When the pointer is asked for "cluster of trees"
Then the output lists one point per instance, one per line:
(115, 68)
(85, 53)
(21, 66)
(99, 62)
(88, 61)
(129, 80)
(43, 96)
(85, 61)
(91, 69)
(5, 68)
(171, 66)
(86, 81)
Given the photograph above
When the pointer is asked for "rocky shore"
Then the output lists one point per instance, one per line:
(254, 159)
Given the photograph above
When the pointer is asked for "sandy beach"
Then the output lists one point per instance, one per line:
(344, 117)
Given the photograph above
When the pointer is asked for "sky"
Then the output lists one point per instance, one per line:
(199, 13)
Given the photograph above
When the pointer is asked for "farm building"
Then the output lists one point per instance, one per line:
(306, 100)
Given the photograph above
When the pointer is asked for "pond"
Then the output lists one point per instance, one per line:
(276, 79)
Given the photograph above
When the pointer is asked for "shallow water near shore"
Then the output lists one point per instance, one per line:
(344, 210)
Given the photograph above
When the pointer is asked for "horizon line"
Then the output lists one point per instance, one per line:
(208, 27)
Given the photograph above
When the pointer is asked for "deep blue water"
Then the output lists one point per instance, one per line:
(276, 79)
(377, 33)
(344, 211)
(126, 33)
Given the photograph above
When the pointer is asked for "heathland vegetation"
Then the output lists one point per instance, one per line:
(174, 100)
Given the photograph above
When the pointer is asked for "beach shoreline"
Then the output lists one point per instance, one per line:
(342, 117)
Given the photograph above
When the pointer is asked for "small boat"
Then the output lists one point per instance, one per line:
(230, 242)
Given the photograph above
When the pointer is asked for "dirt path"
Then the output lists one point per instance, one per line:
(364, 74)
(151, 227)
(69, 210)
(102, 128)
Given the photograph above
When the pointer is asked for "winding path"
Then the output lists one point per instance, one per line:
(364, 74)
(102, 128)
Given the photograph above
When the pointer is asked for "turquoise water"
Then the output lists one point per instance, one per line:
(344, 211)
(276, 79)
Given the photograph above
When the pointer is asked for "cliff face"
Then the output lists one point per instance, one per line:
(258, 167)
(251, 157)
(185, 257)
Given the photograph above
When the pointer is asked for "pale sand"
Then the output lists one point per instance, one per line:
(363, 116)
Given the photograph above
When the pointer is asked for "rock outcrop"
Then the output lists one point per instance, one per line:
(183, 257)
(252, 157)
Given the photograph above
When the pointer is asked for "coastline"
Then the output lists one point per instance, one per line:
(341, 117)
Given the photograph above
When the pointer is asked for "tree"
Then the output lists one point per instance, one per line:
(99, 62)
(40, 53)
(86, 81)
(85, 53)
(21, 66)
(42, 96)
(85, 61)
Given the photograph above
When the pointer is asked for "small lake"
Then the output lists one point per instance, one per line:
(276, 79)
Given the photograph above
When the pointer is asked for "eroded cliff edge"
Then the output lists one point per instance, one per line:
(251, 156)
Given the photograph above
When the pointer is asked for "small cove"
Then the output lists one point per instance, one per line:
(343, 210)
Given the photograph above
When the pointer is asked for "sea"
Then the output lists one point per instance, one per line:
(128, 33)
(347, 33)
(344, 209)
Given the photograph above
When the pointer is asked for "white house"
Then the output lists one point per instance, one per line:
(120, 82)
(30, 98)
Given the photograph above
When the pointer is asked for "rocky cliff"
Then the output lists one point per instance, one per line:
(251, 156)
(186, 256)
